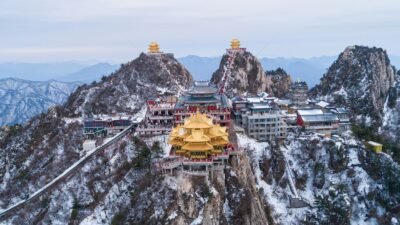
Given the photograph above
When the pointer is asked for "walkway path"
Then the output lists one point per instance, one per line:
(71, 170)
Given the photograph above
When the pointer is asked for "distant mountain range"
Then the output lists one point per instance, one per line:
(62, 71)
(22, 99)
(90, 73)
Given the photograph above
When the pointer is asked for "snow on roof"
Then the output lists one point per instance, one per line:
(341, 110)
(374, 143)
(260, 107)
(238, 98)
(322, 104)
(254, 99)
(284, 102)
(263, 94)
(304, 112)
(320, 118)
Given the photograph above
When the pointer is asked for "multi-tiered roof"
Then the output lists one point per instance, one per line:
(199, 138)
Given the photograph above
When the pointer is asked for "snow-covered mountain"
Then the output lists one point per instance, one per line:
(338, 180)
(128, 88)
(47, 145)
(345, 183)
(22, 99)
(280, 82)
(360, 78)
(240, 73)
(110, 188)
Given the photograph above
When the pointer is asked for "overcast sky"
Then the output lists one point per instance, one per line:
(118, 30)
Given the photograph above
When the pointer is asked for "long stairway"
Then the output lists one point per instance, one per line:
(71, 170)
(226, 74)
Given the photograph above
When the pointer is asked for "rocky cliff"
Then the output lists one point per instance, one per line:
(360, 78)
(341, 181)
(241, 73)
(280, 82)
(127, 89)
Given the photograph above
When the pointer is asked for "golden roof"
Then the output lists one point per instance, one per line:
(154, 47)
(197, 147)
(219, 142)
(235, 43)
(199, 121)
(198, 134)
(217, 131)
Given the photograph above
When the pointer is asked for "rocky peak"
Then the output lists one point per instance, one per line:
(360, 78)
(127, 89)
(281, 82)
(240, 73)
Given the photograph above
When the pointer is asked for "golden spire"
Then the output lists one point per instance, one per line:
(154, 47)
(235, 44)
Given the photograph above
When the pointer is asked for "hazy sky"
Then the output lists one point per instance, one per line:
(118, 30)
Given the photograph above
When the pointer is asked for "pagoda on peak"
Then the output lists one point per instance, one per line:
(154, 48)
(235, 46)
(235, 43)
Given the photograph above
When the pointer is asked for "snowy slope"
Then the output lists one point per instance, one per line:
(22, 99)
(346, 179)
(361, 79)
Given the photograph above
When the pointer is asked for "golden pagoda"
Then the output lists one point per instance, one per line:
(235, 44)
(154, 47)
(198, 137)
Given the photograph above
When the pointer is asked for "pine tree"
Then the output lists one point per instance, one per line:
(156, 150)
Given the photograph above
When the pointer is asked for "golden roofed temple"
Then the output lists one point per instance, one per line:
(154, 48)
(198, 138)
(235, 44)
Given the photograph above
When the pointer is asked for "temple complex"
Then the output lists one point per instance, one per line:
(204, 98)
(159, 116)
(200, 146)
(298, 93)
(198, 138)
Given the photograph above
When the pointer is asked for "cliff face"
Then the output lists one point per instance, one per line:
(280, 82)
(128, 88)
(337, 177)
(243, 73)
(360, 78)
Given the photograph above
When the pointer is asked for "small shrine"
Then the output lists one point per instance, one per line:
(235, 47)
(235, 44)
(154, 48)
